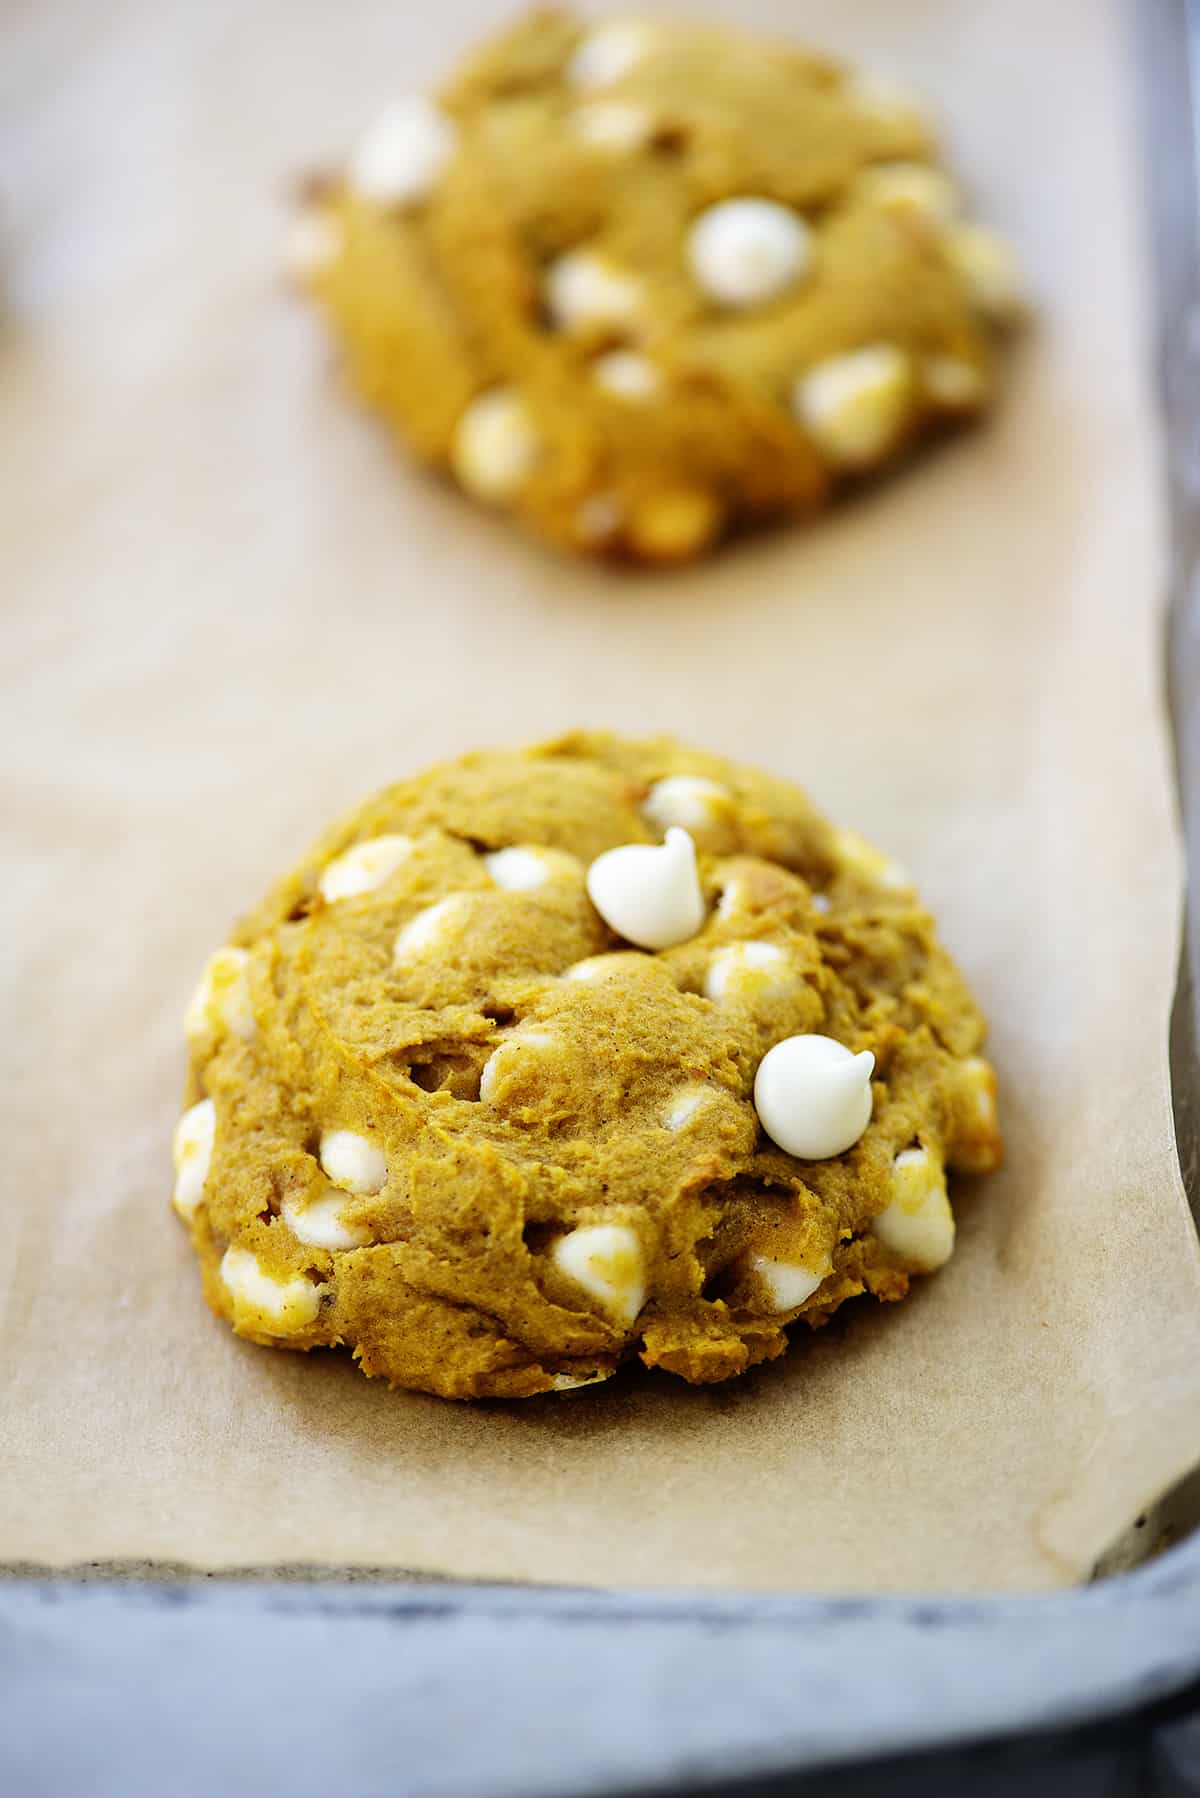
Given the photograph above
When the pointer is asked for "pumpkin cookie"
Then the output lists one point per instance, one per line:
(642, 283)
(552, 1057)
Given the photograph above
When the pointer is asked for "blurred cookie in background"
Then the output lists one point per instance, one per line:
(644, 283)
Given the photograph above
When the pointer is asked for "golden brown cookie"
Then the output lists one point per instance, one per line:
(548, 1058)
(642, 283)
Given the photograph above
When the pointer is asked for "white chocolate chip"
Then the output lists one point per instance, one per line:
(649, 895)
(627, 375)
(911, 190)
(571, 1382)
(319, 1223)
(615, 125)
(988, 268)
(512, 1058)
(951, 382)
(600, 967)
(734, 901)
(980, 1079)
(685, 1105)
(195, 1134)
(432, 928)
(607, 1261)
(820, 903)
(788, 1283)
(887, 100)
(749, 971)
(363, 867)
(314, 243)
(261, 1302)
(583, 289)
(495, 446)
(353, 1162)
(976, 1146)
(689, 800)
(599, 518)
(609, 51)
(745, 252)
(521, 869)
(855, 856)
(855, 406)
(813, 1096)
(918, 1224)
(221, 1002)
(397, 161)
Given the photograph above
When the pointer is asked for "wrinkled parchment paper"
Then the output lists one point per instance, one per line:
(228, 612)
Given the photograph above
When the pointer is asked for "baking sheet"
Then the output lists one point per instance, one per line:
(227, 613)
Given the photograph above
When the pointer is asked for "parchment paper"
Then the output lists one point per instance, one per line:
(229, 612)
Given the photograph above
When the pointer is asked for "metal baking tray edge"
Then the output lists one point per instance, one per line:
(315, 1685)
